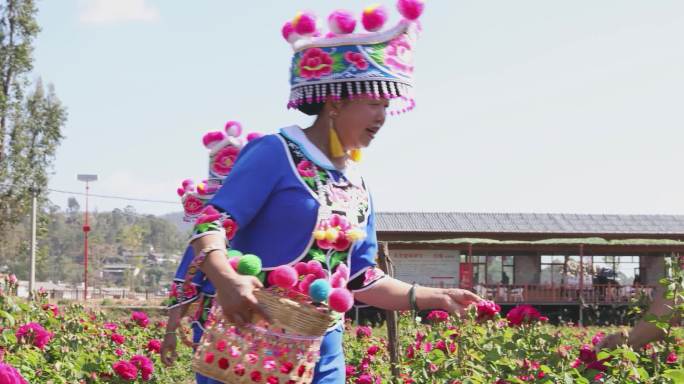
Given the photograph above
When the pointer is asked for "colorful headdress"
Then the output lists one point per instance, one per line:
(224, 148)
(341, 63)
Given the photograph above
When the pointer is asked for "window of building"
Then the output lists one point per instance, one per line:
(552, 269)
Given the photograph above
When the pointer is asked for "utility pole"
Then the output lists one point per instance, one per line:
(86, 228)
(32, 265)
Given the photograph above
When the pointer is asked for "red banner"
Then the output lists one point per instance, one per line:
(465, 280)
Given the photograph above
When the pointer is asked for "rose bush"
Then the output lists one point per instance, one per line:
(42, 342)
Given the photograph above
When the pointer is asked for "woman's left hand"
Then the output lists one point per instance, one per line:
(458, 300)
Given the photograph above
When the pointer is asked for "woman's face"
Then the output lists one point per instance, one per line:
(359, 120)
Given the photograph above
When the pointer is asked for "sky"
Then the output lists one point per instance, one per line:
(522, 106)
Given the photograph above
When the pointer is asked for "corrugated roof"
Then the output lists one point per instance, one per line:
(466, 222)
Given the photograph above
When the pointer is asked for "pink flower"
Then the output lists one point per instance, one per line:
(671, 358)
(357, 60)
(34, 333)
(487, 310)
(522, 314)
(315, 63)
(349, 370)
(410, 352)
(154, 345)
(144, 364)
(363, 332)
(398, 55)
(587, 354)
(306, 169)
(372, 350)
(597, 338)
(364, 379)
(119, 352)
(140, 318)
(12, 279)
(117, 338)
(438, 316)
(224, 160)
(10, 375)
(125, 370)
(112, 326)
(51, 307)
(433, 368)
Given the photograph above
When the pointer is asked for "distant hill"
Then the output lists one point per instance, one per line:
(176, 218)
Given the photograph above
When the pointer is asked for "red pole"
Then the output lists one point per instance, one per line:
(86, 229)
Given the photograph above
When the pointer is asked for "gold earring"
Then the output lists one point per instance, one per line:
(355, 155)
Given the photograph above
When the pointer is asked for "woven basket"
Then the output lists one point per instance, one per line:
(282, 352)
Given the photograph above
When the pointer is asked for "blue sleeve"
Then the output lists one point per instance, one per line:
(254, 176)
(182, 269)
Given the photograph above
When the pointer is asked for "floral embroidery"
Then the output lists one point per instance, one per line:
(372, 275)
(315, 63)
(398, 55)
(223, 160)
(306, 169)
(192, 205)
(356, 59)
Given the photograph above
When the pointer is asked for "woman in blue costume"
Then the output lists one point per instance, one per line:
(284, 185)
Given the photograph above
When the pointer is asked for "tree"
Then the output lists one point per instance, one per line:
(31, 121)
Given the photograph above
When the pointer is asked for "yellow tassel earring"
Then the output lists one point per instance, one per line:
(336, 149)
(355, 155)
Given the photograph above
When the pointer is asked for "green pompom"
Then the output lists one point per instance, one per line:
(230, 253)
(249, 265)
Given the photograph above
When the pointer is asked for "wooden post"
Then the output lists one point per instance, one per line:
(581, 285)
(385, 264)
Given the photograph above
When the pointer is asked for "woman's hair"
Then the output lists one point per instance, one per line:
(315, 109)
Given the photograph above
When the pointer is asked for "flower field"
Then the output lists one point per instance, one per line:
(41, 342)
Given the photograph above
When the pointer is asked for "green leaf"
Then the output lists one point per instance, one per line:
(317, 255)
(8, 317)
(436, 356)
(337, 258)
(677, 375)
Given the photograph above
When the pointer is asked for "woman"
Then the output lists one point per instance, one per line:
(283, 186)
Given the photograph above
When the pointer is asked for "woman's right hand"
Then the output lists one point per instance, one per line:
(168, 349)
(238, 301)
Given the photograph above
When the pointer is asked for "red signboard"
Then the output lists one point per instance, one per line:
(466, 275)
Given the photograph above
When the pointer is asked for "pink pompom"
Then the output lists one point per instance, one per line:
(180, 192)
(233, 128)
(341, 22)
(411, 9)
(338, 280)
(288, 32)
(374, 17)
(269, 279)
(187, 183)
(304, 23)
(234, 261)
(212, 137)
(330, 35)
(340, 300)
(301, 268)
(285, 276)
(253, 136)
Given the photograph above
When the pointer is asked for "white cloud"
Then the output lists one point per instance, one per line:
(116, 11)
